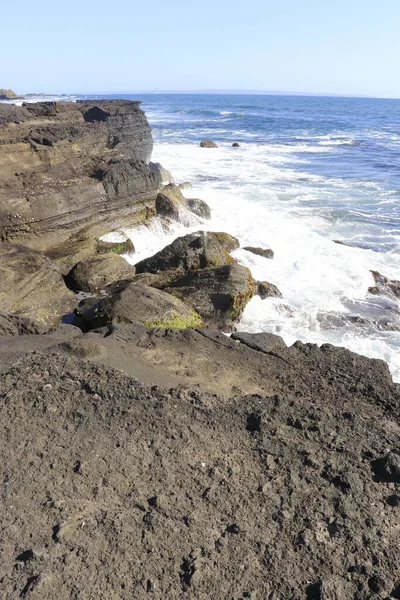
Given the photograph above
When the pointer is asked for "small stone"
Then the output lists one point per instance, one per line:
(394, 500)
(208, 144)
(47, 387)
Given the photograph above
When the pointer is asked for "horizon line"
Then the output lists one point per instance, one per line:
(216, 92)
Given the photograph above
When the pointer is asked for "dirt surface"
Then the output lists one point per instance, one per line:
(118, 490)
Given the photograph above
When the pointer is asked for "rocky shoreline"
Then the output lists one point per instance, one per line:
(144, 452)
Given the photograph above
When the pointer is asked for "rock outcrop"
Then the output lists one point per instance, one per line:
(65, 166)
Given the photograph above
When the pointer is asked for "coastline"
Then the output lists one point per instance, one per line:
(144, 451)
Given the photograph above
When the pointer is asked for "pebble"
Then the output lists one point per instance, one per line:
(47, 387)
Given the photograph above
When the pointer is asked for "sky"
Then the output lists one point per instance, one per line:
(307, 46)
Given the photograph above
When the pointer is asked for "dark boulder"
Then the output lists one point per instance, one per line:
(235, 145)
(265, 252)
(189, 253)
(96, 272)
(384, 285)
(219, 295)
(208, 144)
(267, 290)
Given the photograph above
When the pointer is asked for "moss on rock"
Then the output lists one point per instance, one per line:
(177, 321)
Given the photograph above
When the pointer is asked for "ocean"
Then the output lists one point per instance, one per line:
(309, 170)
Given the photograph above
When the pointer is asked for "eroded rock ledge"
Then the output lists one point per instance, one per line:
(66, 165)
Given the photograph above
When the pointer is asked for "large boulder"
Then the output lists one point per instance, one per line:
(130, 302)
(96, 272)
(32, 286)
(218, 295)
(189, 253)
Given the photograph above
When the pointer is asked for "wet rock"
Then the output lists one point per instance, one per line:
(165, 176)
(191, 252)
(384, 285)
(124, 247)
(208, 144)
(235, 145)
(185, 185)
(96, 272)
(265, 252)
(171, 203)
(218, 295)
(199, 208)
(267, 290)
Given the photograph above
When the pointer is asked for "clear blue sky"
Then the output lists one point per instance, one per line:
(327, 46)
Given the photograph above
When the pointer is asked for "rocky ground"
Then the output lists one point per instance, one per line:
(116, 489)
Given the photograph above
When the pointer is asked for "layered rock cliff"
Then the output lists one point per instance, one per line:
(65, 166)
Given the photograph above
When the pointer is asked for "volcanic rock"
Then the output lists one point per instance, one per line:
(186, 490)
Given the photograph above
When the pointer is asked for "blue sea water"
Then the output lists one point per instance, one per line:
(309, 170)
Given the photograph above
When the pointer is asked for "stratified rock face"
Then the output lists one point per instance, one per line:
(32, 287)
(66, 165)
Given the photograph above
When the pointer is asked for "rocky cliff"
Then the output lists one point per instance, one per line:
(65, 166)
